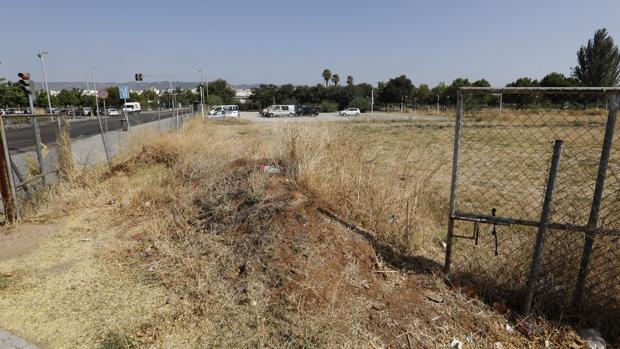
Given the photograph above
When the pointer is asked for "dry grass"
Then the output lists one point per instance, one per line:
(199, 247)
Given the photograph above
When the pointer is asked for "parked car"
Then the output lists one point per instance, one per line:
(306, 111)
(113, 112)
(86, 111)
(224, 111)
(281, 110)
(68, 112)
(350, 112)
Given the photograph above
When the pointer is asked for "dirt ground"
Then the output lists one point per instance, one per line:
(170, 250)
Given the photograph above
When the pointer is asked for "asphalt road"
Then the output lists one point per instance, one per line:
(21, 138)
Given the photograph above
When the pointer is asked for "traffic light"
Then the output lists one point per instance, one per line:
(139, 77)
(25, 84)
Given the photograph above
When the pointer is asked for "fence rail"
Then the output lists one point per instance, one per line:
(35, 147)
(544, 177)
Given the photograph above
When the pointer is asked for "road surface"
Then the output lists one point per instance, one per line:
(21, 138)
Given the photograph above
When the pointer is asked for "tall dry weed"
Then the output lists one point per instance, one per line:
(388, 191)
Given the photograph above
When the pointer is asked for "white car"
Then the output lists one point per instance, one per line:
(221, 111)
(281, 110)
(350, 112)
(113, 112)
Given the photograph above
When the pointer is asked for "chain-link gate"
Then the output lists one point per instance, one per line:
(535, 199)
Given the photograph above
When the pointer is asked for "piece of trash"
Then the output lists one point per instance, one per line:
(497, 345)
(443, 245)
(456, 344)
(434, 297)
(271, 169)
(593, 338)
(547, 344)
(509, 328)
(7, 274)
(85, 239)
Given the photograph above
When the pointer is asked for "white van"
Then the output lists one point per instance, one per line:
(281, 110)
(224, 111)
(132, 107)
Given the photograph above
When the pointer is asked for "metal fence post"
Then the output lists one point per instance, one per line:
(542, 227)
(103, 139)
(7, 185)
(597, 197)
(37, 138)
(454, 181)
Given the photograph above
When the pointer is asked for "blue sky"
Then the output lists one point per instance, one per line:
(278, 41)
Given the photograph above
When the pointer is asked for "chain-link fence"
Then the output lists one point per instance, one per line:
(34, 146)
(535, 199)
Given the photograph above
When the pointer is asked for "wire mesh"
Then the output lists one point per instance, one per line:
(33, 163)
(506, 143)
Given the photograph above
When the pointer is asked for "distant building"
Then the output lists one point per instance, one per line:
(54, 93)
(242, 95)
(89, 92)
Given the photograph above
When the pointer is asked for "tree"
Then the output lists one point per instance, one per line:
(423, 95)
(483, 98)
(350, 80)
(598, 62)
(336, 79)
(12, 96)
(69, 98)
(522, 99)
(327, 75)
(360, 102)
(481, 83)
(113, 99)
(558, 80)
(41, 100)
(221, 88)
(396, 90)
(264, 95)
(454, 86)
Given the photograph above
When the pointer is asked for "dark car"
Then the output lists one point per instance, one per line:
(306, 111)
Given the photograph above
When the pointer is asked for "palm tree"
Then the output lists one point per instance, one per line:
(336, 79)
(327, 75)
(350, 80)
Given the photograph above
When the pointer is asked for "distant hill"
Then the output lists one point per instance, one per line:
(134, 85)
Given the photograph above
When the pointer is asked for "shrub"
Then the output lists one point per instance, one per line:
(329, 106)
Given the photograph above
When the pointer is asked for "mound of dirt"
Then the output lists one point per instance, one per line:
(319, 281)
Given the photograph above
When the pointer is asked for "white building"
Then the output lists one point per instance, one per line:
(243, 94)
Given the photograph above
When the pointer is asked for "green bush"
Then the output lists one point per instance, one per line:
(360, 102)
(329, 107)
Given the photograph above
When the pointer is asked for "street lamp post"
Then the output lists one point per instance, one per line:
(47, 89)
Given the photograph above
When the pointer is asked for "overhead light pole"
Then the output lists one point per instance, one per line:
(202, 104)
(47, 89)
(92, 71)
